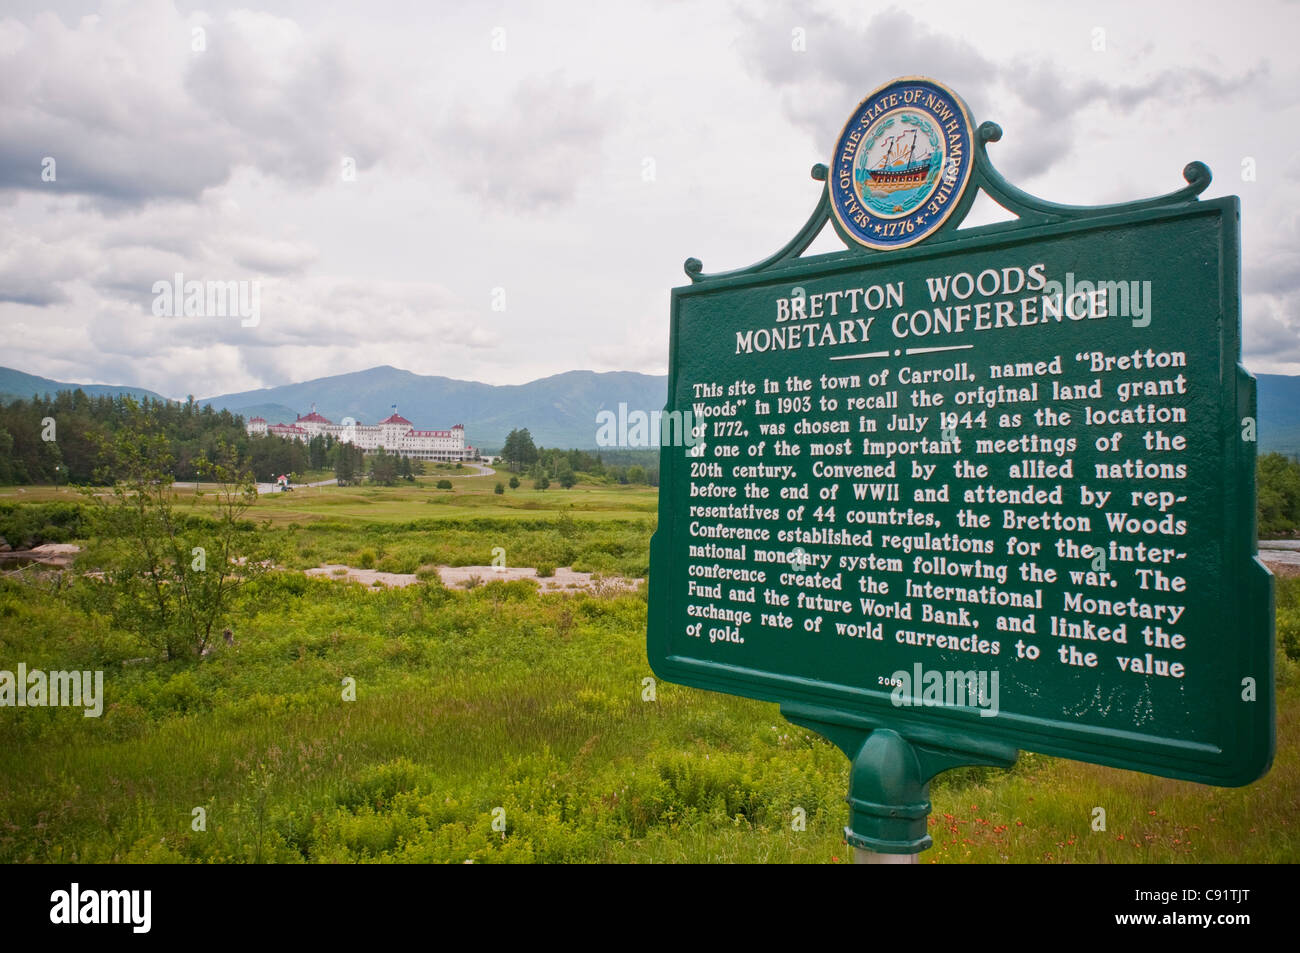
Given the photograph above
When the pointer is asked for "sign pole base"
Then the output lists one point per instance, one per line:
(889, 783)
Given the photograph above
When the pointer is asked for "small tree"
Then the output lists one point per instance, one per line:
(317, 449)
(510, 449)
(499, 489)
(349, 461)
(172, 574)
(519, 450)
(514, 483)
(541, 483)
(383, 467)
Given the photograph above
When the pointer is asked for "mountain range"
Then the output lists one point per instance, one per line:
(559, 411)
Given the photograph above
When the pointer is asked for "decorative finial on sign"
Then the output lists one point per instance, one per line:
(898, 182)
(1197, 173)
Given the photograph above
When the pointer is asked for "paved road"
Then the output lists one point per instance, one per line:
(270, 487)
(482, 471)
(1284, 551)
(261, 487)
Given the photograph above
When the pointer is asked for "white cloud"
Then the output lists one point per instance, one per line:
(524, 169)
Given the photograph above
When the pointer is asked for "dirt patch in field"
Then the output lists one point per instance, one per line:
(466, 577)
(54, 555)
(367, 577)
(565, 579)
(60, 556)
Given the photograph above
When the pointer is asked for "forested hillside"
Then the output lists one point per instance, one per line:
(68, 438)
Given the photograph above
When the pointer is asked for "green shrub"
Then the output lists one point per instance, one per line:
(376, 786)
(23, 524)
(1288, 632)
(391, 563)
(1278, 495)
(1286, 595)
(444, 484)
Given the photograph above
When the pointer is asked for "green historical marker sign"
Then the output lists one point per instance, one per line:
(954, 493)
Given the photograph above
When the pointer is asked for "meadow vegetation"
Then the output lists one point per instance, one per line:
(494, 707)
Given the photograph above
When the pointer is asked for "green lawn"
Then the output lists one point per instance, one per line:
(470, 496)
(399, 529)
(501, 704)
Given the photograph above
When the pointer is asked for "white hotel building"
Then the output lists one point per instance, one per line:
(395, 435)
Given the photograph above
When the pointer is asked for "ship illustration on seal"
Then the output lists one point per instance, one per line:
(901, 167)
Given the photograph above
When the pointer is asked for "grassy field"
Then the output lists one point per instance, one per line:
(400, 529)
(502, 706)
(593, 528)
(470, 496)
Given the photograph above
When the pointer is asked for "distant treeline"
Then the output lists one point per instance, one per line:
(562, 466)
(68, 438)
(1278, 482)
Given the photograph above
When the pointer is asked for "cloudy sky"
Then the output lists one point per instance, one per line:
(500, 192)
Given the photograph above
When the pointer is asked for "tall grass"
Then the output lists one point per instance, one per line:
(503, 707)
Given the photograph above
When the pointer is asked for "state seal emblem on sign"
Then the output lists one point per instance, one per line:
(901, 164)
